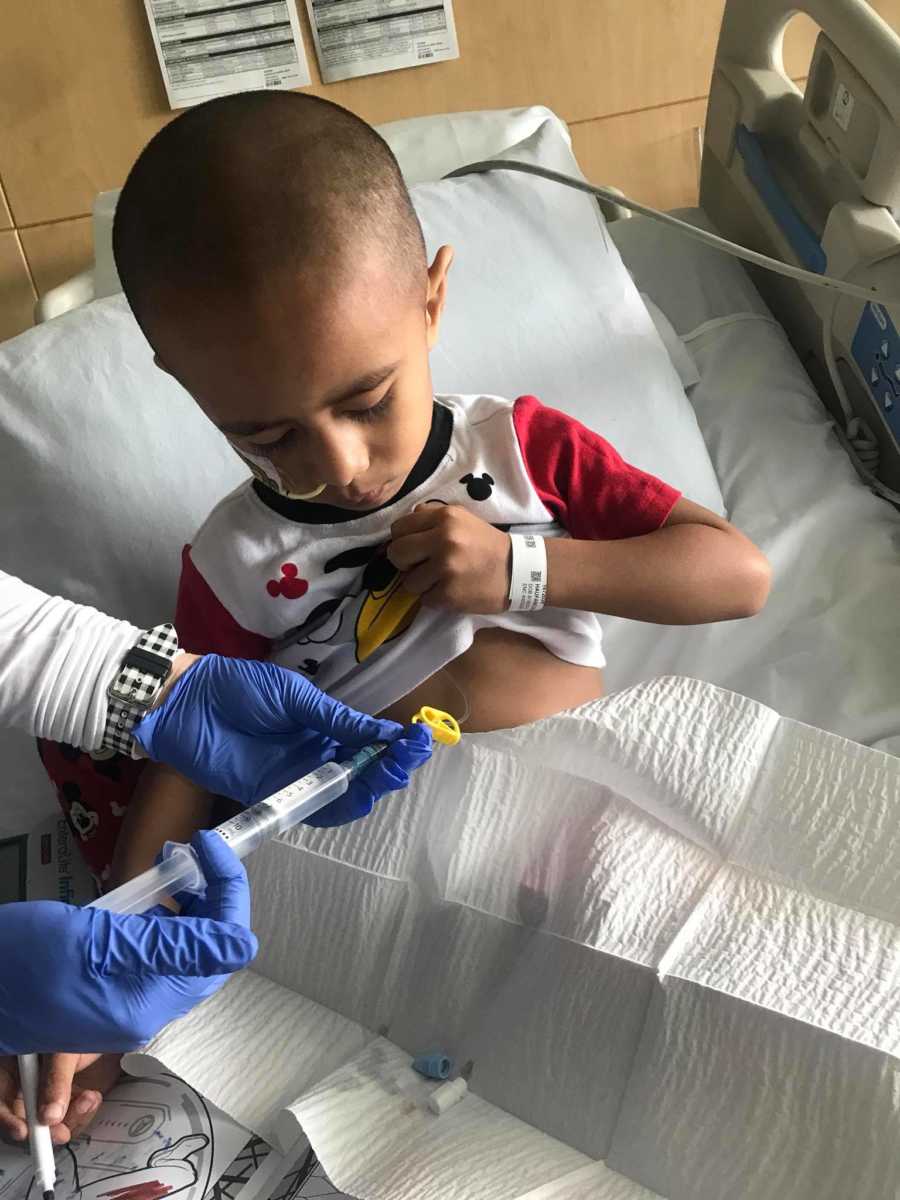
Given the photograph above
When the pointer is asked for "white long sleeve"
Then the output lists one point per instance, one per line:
(57, 659)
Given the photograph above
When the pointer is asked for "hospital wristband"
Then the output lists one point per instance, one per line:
(140, 678)
(528, 573)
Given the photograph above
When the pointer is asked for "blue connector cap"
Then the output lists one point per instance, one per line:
(433, 1065)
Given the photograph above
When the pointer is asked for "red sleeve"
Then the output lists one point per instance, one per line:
(593, 493)
(204, 624)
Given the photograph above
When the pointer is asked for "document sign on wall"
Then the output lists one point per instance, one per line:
(210, 48)
(364, 37)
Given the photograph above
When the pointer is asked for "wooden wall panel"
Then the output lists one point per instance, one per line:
(80, 96)
(17, 295)
(58, 251)
(799, 43)
(583, 58)
(652, 156)
(81, 89)
(80, 93)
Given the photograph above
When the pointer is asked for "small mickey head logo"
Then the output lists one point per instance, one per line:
(478, 487)
(83, 820)
(309, 666)
(289, 586)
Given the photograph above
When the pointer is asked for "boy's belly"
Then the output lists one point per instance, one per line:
(507, 679)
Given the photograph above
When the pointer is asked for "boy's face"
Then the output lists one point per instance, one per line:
(325, 378)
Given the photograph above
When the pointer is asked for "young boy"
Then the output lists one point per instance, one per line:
(269, 250)
(268, 247)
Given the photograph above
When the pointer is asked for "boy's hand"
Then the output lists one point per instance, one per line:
(452, 559)
(68, 1100)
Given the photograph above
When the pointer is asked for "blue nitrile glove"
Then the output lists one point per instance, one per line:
(83, 979)
(245, 729)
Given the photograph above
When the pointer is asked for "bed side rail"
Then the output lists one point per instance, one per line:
(814, 178)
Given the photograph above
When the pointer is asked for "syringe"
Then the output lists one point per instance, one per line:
(180, 870)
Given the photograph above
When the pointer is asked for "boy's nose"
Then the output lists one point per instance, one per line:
(339, 462)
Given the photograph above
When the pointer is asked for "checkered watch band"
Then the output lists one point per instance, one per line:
(145, 668)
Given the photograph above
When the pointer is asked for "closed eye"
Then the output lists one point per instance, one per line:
(373, 413)
(267, 447)
(364, 415)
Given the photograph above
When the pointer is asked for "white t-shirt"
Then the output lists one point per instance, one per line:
(301, 583)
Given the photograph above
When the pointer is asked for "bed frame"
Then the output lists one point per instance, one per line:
(814, 178)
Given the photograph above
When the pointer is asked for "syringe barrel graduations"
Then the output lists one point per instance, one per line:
(180, 870)
(294, 803)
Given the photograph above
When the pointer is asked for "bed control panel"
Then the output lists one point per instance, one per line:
(876, 351)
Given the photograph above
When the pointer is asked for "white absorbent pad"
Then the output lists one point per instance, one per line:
(660, 933)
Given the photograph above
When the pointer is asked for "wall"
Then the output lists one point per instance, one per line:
(80, 93)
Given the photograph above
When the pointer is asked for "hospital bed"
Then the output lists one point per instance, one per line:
(783, 172)
(812, 178)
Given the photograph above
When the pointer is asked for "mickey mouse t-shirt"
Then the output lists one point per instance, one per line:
(310, 586)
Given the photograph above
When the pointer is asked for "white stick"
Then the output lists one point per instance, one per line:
(38, 1135)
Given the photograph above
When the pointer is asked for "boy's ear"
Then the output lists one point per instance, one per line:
(437, 292)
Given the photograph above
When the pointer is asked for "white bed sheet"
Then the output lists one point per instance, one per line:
(826, 650)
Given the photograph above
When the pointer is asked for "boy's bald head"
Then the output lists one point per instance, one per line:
(260, 184)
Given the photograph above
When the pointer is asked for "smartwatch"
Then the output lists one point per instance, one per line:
(142, 673)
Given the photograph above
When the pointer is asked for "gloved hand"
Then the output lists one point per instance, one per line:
(84, 979)
(244, 729)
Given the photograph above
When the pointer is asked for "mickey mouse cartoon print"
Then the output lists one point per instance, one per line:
(374, 610)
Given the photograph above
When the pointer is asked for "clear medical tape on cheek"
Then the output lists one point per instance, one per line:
(307, 495)
(266, 472)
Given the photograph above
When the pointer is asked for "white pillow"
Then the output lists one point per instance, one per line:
(428, 148)
(540, 302)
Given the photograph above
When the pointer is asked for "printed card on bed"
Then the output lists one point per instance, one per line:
(659, 934)
(154, 1139)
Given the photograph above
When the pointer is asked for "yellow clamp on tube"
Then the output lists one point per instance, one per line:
(444, 728)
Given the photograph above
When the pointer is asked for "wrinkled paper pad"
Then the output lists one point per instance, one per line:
(662, 929)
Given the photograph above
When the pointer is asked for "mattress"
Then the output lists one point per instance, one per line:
(826, 649)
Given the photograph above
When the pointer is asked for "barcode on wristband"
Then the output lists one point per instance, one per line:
(528, 573)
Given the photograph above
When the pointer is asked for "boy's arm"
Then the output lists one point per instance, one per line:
(636, 548)
(696, 568)
(164, 807)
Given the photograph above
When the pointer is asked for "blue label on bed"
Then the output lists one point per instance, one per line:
(876, 349)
